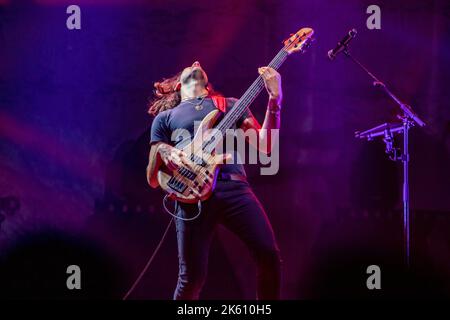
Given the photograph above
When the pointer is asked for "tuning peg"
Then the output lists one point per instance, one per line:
(290, 36)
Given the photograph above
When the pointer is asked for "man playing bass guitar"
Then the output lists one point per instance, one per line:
(179, 102)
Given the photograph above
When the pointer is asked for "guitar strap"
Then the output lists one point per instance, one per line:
(220, 103)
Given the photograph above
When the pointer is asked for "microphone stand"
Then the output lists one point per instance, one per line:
(409, 119)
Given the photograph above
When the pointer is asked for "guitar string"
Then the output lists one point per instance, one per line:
(276, 63)
(249, 96)
(253, 90)
(226, 123)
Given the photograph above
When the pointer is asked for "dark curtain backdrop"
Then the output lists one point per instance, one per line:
(74, 139)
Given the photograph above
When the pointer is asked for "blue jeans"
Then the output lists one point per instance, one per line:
(234, 205)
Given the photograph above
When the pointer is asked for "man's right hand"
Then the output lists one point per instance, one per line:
(172, 157)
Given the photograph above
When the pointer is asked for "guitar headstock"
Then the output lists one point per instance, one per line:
(299, 41)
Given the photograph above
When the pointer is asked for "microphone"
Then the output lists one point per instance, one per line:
(341, 45)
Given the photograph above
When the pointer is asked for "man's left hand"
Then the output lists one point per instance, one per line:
(272, 81)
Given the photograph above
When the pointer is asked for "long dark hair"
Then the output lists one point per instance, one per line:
(166, 96)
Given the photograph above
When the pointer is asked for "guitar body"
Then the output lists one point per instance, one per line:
(197, 178)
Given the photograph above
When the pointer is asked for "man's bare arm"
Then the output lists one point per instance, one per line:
(265, 133)
(272, 80)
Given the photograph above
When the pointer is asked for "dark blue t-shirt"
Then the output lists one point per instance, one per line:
(184, 116)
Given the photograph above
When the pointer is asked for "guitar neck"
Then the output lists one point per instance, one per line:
(244, 102)
(250, 95)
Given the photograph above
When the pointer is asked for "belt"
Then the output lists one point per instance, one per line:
(232, 176)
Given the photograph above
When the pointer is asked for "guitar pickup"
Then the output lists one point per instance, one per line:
(177, 185)
(188, 173)
(198, 160)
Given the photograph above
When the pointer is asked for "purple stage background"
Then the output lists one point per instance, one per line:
(74, 142)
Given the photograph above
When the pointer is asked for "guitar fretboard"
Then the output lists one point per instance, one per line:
(243, 103)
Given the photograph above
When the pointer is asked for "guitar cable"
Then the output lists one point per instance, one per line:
(150, 260)
(199, 206)
(152, 257)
